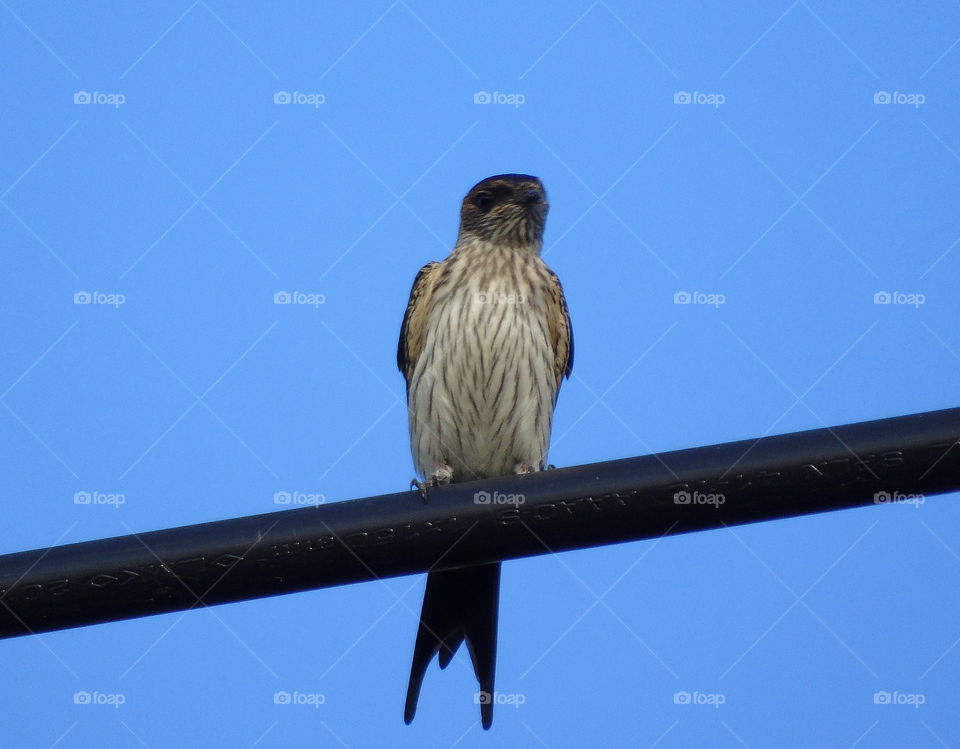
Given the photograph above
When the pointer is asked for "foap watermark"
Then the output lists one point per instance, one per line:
(99, 297)
(498, 498)
(98, 97)
(898, 97)
(914, 699)
(698, 97)
(307, 699)
(498, 97)
(683, 497)
(699, 297)
(499, 698)
(714, 699)
(298, 498)
(99, 498)
(112, 699)
(899, 297)
(497, 297)
(299, 297)
(899, 498)
(297, 97)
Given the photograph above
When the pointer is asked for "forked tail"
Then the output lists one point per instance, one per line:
(458, 605)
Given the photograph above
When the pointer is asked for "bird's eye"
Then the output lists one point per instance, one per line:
(483, 201)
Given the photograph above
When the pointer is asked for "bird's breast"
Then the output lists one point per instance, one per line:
(484, 388)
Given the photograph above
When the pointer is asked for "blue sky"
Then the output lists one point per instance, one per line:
(180, 164)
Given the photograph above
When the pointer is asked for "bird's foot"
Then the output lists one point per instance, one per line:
(441, 476)
(522, 469)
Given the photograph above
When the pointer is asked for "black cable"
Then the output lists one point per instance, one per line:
(557, 510)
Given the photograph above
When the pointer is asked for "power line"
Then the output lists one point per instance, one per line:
(871, 462)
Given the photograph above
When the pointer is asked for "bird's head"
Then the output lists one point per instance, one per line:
(508, 209)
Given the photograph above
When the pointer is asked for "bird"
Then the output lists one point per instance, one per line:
(485, 343)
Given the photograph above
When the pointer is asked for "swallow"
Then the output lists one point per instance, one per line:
(485, 343)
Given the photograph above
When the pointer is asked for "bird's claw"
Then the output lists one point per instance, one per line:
(422, 487)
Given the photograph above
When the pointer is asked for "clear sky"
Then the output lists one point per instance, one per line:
(181, 163)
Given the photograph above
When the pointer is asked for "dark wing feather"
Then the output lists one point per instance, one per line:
(414, 320)
(560, 329)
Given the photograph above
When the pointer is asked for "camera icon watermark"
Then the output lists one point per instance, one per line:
(697, 97)
(714, 699)
(899, 498)
(298, 498)
(914, 699)
(498, 297)
(308, 699)
(99, 498)
(683, 497)
(497, 97)
(98, 97)
(296, 97)
(498, 498)
(300, 298)
(899, 298)
(896, 97)
(99, 297)
(499, 698)
(699, 298)
(114, 700)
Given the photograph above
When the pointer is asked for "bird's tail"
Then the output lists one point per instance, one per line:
(458, 605)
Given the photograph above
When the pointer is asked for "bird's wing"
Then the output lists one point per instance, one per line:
(560, 330)
(415, 318)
